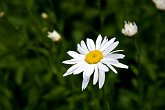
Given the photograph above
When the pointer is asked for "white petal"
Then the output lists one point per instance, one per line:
(79, 69)
(111, 47)
(75, 55)
(104, 42)
(67, 73)
(102, 67)
(98, 42)
(117, 51)
(123, 31)
(88, 71)
(101, 78)
(95, 77)
(84, 47)
(111, 67)
(115, 56)
(120, 65)
(72, 61)
(80, 49)
(90, 44)
(106, 59)
(85, 83)
(107, 44)
(72, 69)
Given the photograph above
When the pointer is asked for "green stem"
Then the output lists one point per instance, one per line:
(139, 76)
(105, 100)
(137, 52)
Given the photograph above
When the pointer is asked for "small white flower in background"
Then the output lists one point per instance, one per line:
(129, 29)
(94, 58)
(44, 15)
(55, 36)
(2, 14)
(160, 4)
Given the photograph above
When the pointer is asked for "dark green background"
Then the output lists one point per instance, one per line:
(30, 63)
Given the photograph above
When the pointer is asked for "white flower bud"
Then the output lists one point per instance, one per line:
(2, 14)
(129, 29)
(55, 36)
(160, 4)
(44, 15)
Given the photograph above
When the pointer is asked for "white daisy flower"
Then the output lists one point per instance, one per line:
(55, 36)
(160, 4)
(94, 58)
(129, 29)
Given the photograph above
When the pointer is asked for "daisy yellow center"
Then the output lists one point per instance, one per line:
(94, 57)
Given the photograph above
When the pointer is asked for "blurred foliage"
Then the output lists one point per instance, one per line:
(30, 63)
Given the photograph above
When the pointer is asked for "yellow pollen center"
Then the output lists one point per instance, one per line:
(93, 57)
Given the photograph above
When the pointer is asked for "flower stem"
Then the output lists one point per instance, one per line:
(137, 52)
(140, 86)
(105, 100)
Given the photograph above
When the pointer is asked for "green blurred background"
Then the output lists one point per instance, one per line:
(30, 63)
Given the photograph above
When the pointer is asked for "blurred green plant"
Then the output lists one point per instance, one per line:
(30, 63)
